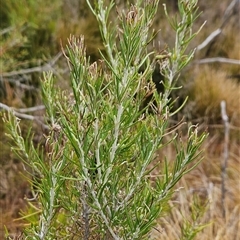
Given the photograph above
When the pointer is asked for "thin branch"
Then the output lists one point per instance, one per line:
(6, 30)
(31, 109)
(45, 67)
(227, 15)
(225, 153)
(17, 114)
(18, 83)
(217, 59)
(209, 39)
(230, 11)
(22, 115)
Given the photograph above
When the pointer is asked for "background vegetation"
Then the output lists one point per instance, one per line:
(30, 44)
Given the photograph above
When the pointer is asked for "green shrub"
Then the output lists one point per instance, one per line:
(91, 180)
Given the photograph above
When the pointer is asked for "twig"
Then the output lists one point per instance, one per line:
(217, 59)
(225, 153)
(229, 11)
(17, 114)
(18, 83)
(23, 115)
(6, 30)
(45, 67)
(31, 109)
(209, 39)
(227, 14)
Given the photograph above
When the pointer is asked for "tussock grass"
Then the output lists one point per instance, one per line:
(210, 87)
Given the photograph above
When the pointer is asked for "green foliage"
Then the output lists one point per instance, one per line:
(192, 226)
(27, 27)
(92, 179)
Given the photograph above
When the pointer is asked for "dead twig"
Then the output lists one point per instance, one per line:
(227, 15)
(213, 35)
(23, 115)
(18, 83)
(46, 67)
(6, 30)
(225, 153)
(217, 59)
(31, 109)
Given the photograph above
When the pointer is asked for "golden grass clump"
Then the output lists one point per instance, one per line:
(209, 89)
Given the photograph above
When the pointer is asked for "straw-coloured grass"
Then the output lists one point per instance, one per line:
(209, 89)
(205, 183)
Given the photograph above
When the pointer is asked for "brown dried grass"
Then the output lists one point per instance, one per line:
(210, 87)
(205, 182)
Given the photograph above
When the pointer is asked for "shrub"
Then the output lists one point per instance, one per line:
(91, 179)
